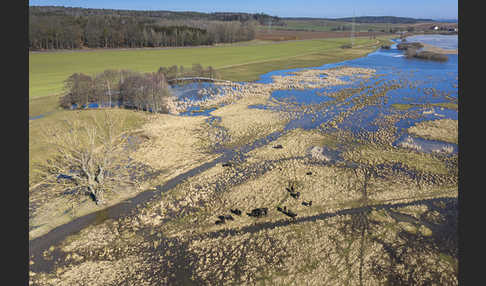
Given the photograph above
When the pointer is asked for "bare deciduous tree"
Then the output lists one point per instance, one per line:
(87, 154)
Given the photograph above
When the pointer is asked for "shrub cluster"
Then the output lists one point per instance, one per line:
(405, 46)
(125, 88)
(425, 55)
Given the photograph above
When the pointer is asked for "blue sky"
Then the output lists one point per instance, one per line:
(434, 9)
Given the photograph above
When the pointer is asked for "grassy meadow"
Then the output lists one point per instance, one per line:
(47, 71)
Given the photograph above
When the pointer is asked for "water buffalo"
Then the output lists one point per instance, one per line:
(287, 212)
(307, 204)
(295, 195)
(259, 212)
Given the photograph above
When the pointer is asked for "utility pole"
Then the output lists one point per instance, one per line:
(352, 30)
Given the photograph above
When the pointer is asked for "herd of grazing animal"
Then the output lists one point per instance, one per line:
(262, 212)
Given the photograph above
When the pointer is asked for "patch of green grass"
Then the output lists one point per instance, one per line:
(406, 106)
(447, 105)
(252, 71)
(403, 106)
(43, 105)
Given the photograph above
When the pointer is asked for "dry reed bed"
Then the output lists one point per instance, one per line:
(295, 143)
(333, 250)
(306, 79)
(244, 124)
(176, 144)
(337, 251)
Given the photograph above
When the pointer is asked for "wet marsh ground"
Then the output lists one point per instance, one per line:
(382, 213)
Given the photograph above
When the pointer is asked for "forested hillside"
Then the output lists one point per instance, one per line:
(53, 27)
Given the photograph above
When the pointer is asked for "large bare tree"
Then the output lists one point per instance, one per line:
(88, 153)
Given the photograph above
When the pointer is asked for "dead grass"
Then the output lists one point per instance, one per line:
(296, 142)
(373, 154)
(176, 144)
(48, 206)
(244, 124)
(442, 129)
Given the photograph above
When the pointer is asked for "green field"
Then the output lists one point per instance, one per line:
(47, 71)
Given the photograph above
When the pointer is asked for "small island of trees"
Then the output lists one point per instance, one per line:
(127, 89)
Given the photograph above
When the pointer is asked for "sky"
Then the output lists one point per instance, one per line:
(426, 9)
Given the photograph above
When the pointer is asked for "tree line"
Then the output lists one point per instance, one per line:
(262, 18)
(74, 28)
(126, 88)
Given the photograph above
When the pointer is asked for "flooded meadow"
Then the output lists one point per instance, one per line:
(343, 174)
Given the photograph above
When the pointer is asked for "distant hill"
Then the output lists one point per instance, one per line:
(382, 19)
(447, 20)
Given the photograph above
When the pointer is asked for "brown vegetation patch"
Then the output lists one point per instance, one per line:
(176, 144)
(244, 124)
(441, 129)
(285, 35)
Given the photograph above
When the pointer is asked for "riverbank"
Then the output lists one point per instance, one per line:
(435, 49)
(441, 44)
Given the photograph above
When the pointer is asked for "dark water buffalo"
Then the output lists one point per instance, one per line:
(287, 212)
(259, 212)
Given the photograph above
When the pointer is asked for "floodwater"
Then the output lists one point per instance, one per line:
(421, 82)
(447, 42)
(426, 82)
